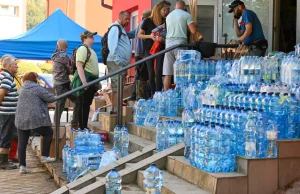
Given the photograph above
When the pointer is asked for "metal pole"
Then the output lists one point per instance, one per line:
(120, 99)
(57, 129)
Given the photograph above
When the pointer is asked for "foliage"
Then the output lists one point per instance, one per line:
(46, 68)
(36, 13)
(26, 67)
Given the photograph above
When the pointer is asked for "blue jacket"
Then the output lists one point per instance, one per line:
(120, 50)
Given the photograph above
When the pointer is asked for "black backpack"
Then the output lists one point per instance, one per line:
(104, 42)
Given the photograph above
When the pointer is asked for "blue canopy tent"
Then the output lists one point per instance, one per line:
(39, 43)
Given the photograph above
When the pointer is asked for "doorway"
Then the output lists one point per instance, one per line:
(285, 25)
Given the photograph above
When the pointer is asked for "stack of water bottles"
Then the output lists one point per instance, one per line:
(186, 66)
(290, 70)
(168, 134)
(86, 155)
(256, 70)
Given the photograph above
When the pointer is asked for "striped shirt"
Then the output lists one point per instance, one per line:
(9, 103)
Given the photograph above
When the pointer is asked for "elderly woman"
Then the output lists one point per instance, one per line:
(33, 114)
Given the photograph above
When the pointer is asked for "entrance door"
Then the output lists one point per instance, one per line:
(207, 19)
(285, 25)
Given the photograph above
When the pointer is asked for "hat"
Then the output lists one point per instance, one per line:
(87, 34)
(147, 13)
(234, 4)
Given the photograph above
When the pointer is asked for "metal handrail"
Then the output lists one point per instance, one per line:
(57, 121)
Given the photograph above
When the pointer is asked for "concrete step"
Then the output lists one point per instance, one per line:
(173, 184)
(131, 189)
(135, 143)
(216, 183)
(129, 174)
(148, 133)
(90, 179)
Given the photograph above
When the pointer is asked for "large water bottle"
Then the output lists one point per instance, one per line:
(193, 142)
(113, 182)
(292, 117)
(225, 149)
(277, 113)
(192, 68)
(250, 131)
(152, 180)
(180, 132)
(64, 156)
(125, 141)
(160, 136)
(212, 155)
(189, 120)
(199, 157)
(261, 138)
(118, 137)
(240, 132)
(272, 134)
(72, 165)
(171, 134)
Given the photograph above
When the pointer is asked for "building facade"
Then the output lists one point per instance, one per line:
(94, 15)
(12, 18)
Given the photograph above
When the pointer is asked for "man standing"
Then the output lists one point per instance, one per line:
(8, 106)
(178, 22)
(61, 70)
(249, 30)
(87, 71)
(119, 52)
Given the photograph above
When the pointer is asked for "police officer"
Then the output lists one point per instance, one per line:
(248, 29)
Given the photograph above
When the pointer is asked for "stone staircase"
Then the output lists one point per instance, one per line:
(253, 176)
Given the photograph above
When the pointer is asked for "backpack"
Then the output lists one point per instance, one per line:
(104, 42)
(73, 58)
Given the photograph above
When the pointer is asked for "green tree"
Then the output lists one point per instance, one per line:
(36, 12)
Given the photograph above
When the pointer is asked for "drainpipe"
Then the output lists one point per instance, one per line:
(105, 5)
(47, 11)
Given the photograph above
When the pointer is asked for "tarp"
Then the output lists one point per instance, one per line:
(40, 42)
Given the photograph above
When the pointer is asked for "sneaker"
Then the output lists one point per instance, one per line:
(45, 159)
(23, 170)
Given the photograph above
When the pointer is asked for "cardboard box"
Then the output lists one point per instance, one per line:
(98, 102)
(128, 113)
(62, 142)
(109, 122)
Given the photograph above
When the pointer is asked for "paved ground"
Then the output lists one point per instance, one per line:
(38, 181)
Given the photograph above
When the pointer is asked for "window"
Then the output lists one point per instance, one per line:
(9, 10)
(133, 25)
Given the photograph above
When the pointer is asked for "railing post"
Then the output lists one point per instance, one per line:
(57, 129)
(120, 98)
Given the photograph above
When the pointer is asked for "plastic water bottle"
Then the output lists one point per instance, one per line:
(113, 182)
(193, 141)
(118, 137)
(171, 134)
(276, 111)
(272, 133)
(189, 120)
(64, 155)
(180, 132)
(152, 180)
(160, 136)
(212, 155)
(292, 117)
(72, 165)
(240, 132)
(250, 131)
(125, 141)
(261, 139)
